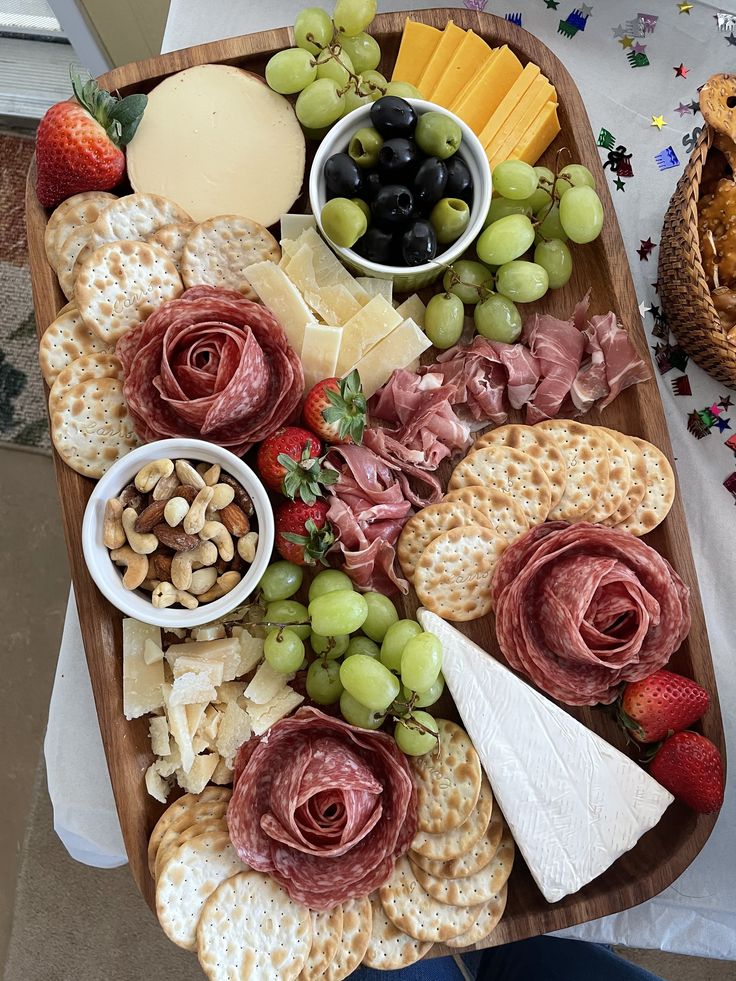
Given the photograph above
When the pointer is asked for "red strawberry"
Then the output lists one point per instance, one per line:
(335, 409)
(290, 462)
(691, 768)
(303, 533)
(78, 144)
(661, 704)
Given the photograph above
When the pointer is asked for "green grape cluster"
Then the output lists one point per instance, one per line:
(333, 68)
(523, 250)
(375, 665)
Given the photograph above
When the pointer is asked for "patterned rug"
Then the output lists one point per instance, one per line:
(22, 410)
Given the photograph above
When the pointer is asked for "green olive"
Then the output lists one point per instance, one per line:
(343, 222)
(438, 135)
(364, 207)
(365, 145)
(450, 218)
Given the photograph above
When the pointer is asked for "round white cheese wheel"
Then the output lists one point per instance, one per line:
(217, 140)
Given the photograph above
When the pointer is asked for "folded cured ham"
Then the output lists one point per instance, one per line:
(213, 365)
(323, 807)
(582, 608)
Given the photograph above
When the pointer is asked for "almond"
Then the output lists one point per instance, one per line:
(185, 491)
(234, 519)
(150, 516)
(131, 497)
(175, 538)
(242, 498)
(159, 565)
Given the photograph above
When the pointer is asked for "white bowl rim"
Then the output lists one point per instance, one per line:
(131, 602)
(468, 236)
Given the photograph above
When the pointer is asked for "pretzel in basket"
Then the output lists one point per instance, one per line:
(718, 106)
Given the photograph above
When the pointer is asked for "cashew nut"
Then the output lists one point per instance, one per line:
(113, 533)
(212, 475)
(247, 546)
(183, 562)
(223, 496)
(194, 521)
(150, 584)
(203, 580)
(148, 476)
(175, 511)
(141, 542)
(215, 531)
(166, 487)
(166, 595)
(136, 566)
(226, 582)
(188, 475)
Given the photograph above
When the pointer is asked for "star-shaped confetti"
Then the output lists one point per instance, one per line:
(730, 39)
(658, 121)
(680, 70)
(585, 10)
(639, 48)
(626, 41)
(645, 248)
(683, 110)
(695, 106)
(619, 184)
(643, 308)
(685, 8)
(723, 424)
(655, 309)
(725, 402)
(619, 31)
(552, 4)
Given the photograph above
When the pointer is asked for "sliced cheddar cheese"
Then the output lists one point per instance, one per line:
(470, 57)
(508, 104)
(397, 350)
(417, 44)
(481, 96)
(539, 93)
(319, 353)
(364, 330)
(539, 135)
(449, 42)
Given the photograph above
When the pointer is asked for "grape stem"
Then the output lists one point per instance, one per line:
(412, 723)
(554, 196)
(483, 291)
(335, 48)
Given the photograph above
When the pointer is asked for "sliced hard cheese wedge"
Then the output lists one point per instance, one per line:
(452, 38)
(539, 93)
(377, 319)
(574, 804)
(374, 286)
(417, 44)
(539, 135)
(469, 58)
(412, 309)
(482, 95)
(282, 298)
(293, 225)
(508, 104)
(398, 349)
(323, 281)
(142, 682)
(319, 353)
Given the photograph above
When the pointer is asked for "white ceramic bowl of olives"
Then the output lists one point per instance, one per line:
(407, 183)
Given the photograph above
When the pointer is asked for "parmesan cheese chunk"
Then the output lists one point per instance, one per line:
(398, 349)
(226, 650)
(212, 670)
(142, 691)
(179, 728)
(191, 688)
(196, 778)
(320, 351)
(156, 786)
(251, 651)
(363, 331)
(267, 682)
(152, 652)
(282, 298)
(158, 729)
(235, 729)
(262, 717)
(412, 309)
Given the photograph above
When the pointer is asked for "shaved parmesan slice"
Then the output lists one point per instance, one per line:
(251, 651)
(191, 688)
(412, 309)
(212, 670)
(320, 352)
(282, 298)
(235, 729)
(152, 651)
(156, 786)
(213, 631)
(293, 225)
(179, 728)
(210, 724)
(266, 683)
(198, 776)
(262, 717)
(377, 287)
(229, 692)
(141, 681)
(195, 717)
(226, 650)
(398, 349)
(158, 730)
(363, 331)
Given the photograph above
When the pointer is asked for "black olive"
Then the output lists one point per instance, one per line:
(377, 245)
(343, 177)
(372, 184)
(429, 183)
(398, 159)
(418, 243)
(459, 181)
(393, 205)
(393, 116)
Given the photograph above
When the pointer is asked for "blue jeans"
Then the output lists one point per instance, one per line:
(538, 959)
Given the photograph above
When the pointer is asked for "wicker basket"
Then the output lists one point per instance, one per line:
(683, 288)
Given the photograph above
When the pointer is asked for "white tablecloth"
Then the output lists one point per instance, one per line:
(697, 914)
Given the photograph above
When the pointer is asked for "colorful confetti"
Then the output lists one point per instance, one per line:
(626, 42)
(667, 158)
(574, 22)
(637, 60)
(638, 49)
(696, 427)
(620, 162)
(723, 424)
(635, 28)
(478, 5)
(731, 443)
(730, 39)
(661, 357)
(658, 121)
(619, 31)
(680, 70)
(552, 4)
(514, 19)
(681, 385)
(606, 140)
(678, 357)
(730, 484)
(695, 106)
(648, 22)
(619, 184)
(726, 22)
(683, 110)
(685, 8)
(725, 401)
(643, 308)
(690, 139)
(646, 247)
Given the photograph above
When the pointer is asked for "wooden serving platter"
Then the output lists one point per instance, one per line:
(602, 267)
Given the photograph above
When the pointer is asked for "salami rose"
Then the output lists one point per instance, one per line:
(210, 364)
(322, 806)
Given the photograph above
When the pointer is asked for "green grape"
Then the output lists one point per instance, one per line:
(543, 194)
(437, 134)
(365, 146)
(546, 177)
(343, 222)
(280, 581)
(289, 611)
(364, 207)
(364, 51)
(340, 612)
(328, 581)
(505, 239)
(555, 257)
(329, 67)
(397, 636)
(415, 741)
(290, 71)
(497, 318)
(323, 682)
(444, 319)
(373, 83)
(363, 645)
(353, 16)
(315, 22)
(404, 90)
(358, 715)
(428, 697)
(522, 281)
(449, 217)
(475, 280)
(574, 175)
(381, 614)
(581, 214)
(329, 647)
(354, 101)
(320, 104)
(283, 650)
(549, 219)
(315, 134)
(515, 180)
(369, 682)
(500, 207)
(421, 661)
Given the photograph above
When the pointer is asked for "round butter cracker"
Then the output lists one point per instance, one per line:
(79, 209)
(412, 910)
(586, 456)
(499, 509)
(357, 924)
(218, 250)
(135, 216)
(174, 811)
(473, 860)
(511, 471)
(489, 916)
(390, 948)
(326, 935)
(472, 890)
(658, 495)
(96, 365)
(65, 340)
(637, 487)
(619, 480)
(453, 844)
(448, 780)
(172, 239)
(424, 526)
(540, 446)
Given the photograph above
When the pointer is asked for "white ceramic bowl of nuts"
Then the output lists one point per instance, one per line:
(178, 533)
